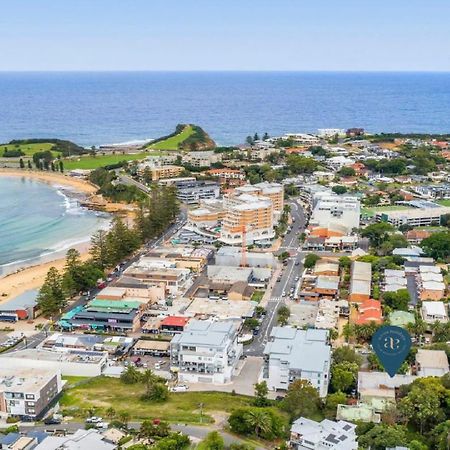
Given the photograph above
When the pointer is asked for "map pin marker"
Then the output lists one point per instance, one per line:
(391, 345)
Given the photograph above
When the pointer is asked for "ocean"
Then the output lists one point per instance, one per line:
(39, 221)
(104, 108)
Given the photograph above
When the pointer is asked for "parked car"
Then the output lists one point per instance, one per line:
(52, 421)
(179, 388)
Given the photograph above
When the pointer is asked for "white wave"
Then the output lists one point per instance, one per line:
(132, 142)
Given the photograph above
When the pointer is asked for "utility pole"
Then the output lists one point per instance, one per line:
(201, 412)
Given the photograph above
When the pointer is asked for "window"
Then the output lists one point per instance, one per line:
(29, 396)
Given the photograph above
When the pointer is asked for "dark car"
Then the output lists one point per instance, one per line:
(52, 421)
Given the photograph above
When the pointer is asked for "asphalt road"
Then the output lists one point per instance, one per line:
(290, 271)
(195, 431)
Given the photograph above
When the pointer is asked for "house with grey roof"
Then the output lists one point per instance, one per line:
(206, 351)
(293, 354)
(307, 434)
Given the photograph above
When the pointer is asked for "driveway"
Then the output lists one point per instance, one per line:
(241, 384)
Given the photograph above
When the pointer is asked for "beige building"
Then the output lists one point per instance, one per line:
(202, 159)
(253, 218)
(168, 171)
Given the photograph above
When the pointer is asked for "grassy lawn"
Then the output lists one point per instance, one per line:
(28, 149)
(444, 202)
(431, 228)
(257, 296)
(102, 392)
(172, 142)
(94, 162)
(376, 209)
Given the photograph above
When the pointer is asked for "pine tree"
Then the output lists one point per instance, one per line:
(21, 164)
(61, 166)
(100, 251)
(51, 298)
(29, 165)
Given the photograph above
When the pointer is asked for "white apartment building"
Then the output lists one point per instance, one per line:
(27, 392)
(293, 354)
(302, 138)
(307, 434)
(336, 212)
(202, 159)
(206, 352)
(330, 132)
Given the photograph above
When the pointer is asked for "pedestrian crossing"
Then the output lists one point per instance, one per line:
(275, 299)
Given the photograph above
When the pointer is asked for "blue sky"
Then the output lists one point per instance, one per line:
(407, 35)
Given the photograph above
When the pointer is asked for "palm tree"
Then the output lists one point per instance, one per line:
(259, 420)
(148, 378)
(110, 413)
(124, 417)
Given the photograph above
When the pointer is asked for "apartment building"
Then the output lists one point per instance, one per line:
(302, 138)
(360, 282)
(206, 352)
(253, 218)
(27, 392)
(202, 159)
(226, 174)
(271, 191)
(414, 217)
(307, 434)
(168, 171)
(293, 354)
(192, 192)
(334, 215)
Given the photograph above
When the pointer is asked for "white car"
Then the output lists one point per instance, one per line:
(157, 366)
(94, 419)
(179, 388)
(283, 294)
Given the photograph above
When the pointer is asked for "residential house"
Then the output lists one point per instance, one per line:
(307, 434)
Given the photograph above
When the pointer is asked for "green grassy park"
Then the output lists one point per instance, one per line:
(28, 149)
(101, 393)
(171, 143)
(94, 162)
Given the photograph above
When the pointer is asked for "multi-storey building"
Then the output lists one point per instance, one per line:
(252, 218)
(168, 171)
(334, 215)
(293, 354)
(192, 192)
(27, 392)
(206, 351)
(414, 217)
(202, 159)
(163, 273)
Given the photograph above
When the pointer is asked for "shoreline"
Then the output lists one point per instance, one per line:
(32, 276)
(52, 178)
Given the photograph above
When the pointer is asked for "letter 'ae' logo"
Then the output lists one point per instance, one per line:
(391, 345)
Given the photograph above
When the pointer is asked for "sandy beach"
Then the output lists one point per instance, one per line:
(53, 178)
(32, 277)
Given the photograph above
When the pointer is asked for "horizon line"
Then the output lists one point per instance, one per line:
(397, 71)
